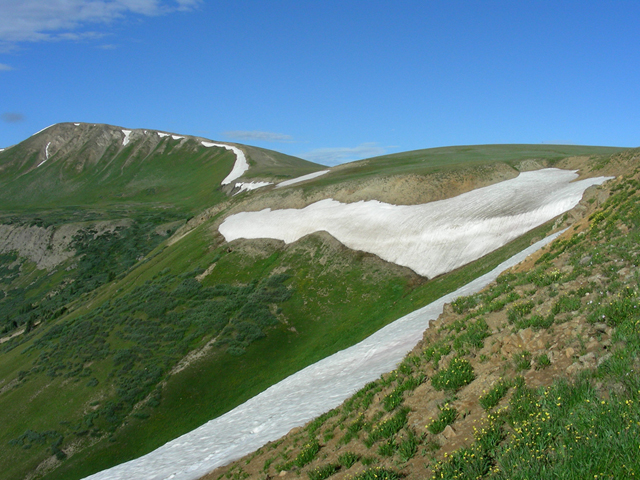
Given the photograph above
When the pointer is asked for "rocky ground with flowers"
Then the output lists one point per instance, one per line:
(534, 377)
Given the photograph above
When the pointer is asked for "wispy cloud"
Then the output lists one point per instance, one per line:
(5, 68)
(38, 20)
(338, 155)
(12, 117)
(258, 135)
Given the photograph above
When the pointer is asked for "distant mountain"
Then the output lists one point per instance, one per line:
(127, 319)
(94, 164)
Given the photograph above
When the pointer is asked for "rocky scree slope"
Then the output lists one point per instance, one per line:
(534, 377)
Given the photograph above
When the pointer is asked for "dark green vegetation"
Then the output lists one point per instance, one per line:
(129, 344)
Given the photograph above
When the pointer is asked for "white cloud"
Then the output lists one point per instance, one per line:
(258, 135)
(43, 20)
(338, 155)
(5, 68)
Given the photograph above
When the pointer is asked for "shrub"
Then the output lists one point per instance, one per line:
(461, 304)
(458, 374)
(348, 459)
(408, 447)
(388, 427)
(542, 361)
(522, 360)
(537, 322)
(322, 472)
(377, 473)
(446, 417)
(493, 396)
(566, 304)
(307, 454)
(387, 449)
(519, 310)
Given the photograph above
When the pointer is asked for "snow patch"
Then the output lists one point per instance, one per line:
(162, 135)
(246, 186)
(239, 167)
(42, 130)
(432, 238)
(77, 124)
(297, 399)
(126, 137)
(302, 178)
(177, 137)
(46, 155)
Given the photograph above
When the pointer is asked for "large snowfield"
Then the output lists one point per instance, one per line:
(429, 238)
(432, 238)
(297, 399)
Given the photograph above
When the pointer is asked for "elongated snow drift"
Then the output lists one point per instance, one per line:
(432, 238)
(295, 400)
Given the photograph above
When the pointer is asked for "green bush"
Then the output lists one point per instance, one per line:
(458, 374)
(388, 427)
(322, 472)
(348, 459)
(446, 417)
(493, 396)
(307, 454)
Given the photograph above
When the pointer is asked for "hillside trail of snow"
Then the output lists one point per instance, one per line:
(297, 399)
(432, 238)
(239, 167)
(303, 178)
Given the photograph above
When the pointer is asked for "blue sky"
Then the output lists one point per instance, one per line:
(330, 81)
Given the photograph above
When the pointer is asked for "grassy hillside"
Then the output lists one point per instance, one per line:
(446, 159)
(90, 165)
(132, 341)
(534, 377)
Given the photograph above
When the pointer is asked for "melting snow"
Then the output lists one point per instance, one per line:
(43, 129)
(177, 137)
(295, 400)
(162, 135)
(250, 186)
(239, 167)
(46, 155)
(77, 124)
(302, 178)
(126, 137)
(432, 238)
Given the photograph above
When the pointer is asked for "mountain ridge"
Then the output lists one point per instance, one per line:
(106, 327)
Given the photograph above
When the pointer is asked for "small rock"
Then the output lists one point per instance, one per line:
(589, 358)
(600, 327)
(282, 473)
(603, 359)
(593, 345)
(526, 335)
(585, 260)
(449, 432)
(569, 352)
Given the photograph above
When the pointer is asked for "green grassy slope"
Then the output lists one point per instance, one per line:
(534, 377)
(89, 165)
(434, 160)
(89, 385)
